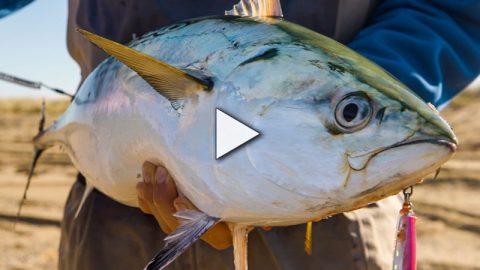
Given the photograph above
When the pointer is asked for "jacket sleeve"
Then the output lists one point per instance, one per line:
(432, 46)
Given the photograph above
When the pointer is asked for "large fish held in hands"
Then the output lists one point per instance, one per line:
(337, 131)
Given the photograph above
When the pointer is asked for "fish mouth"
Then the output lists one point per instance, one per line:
(360, 162)
(444, 142)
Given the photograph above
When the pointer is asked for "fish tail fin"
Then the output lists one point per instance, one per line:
(193, 225)
(50, 136)
(47, 138)
(37, 153)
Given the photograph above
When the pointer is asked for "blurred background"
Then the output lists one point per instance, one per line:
(448, 208)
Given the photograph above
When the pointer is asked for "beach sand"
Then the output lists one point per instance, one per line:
(448, 208)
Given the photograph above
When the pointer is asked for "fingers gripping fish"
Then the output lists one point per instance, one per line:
(338, 132)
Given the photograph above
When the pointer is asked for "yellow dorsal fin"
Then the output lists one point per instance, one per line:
(257, 8)
(170, 82)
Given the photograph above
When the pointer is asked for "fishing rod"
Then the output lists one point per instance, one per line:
(31, 84)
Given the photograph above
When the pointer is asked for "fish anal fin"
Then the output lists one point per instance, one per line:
(257, 8)
(88, 189)
(240, 244)
(193, 224)
(169, 81)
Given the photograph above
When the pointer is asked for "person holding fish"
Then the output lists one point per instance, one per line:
(431, 46)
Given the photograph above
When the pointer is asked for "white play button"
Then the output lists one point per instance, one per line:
(230, 133)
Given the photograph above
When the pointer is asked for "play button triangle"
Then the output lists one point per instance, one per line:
(230, 133)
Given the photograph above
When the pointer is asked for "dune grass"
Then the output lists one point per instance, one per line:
(33, 106)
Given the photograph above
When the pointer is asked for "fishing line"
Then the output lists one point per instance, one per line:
(31, 84)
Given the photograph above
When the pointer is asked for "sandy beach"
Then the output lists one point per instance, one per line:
(448, 208)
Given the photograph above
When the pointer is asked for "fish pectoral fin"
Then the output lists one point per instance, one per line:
(257, 8)
(169, 81)
(192, 226)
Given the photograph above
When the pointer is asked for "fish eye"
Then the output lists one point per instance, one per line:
(353, 112)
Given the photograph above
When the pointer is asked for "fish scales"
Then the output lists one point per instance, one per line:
(259, 88)
(115, 104)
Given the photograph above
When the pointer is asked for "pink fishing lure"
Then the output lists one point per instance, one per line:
(405, 247)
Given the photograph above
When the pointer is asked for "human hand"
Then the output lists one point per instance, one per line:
(158, 196)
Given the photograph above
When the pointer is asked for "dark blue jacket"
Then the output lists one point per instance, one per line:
(432, 46)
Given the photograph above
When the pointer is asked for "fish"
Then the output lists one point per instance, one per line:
(337, 131)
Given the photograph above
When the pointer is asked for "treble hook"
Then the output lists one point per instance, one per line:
(407, 193)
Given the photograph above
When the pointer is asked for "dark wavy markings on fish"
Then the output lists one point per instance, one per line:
(336, 67)
(268, 54)
(317, 63)
(101, 78)
(236, 19)
(147, 38)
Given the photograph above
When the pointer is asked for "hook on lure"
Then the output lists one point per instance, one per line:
(407, 193)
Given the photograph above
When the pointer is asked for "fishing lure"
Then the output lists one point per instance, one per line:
(404, 257)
